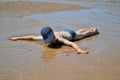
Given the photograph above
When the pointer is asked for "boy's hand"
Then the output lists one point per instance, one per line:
(13, 39)
(82, 51)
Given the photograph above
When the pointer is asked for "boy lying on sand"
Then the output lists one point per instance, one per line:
(66, 37)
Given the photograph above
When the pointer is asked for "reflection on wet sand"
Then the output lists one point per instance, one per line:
(48, 54)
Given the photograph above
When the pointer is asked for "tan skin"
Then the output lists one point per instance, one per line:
(86, 32)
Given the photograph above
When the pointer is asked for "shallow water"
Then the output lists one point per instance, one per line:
(29, 60)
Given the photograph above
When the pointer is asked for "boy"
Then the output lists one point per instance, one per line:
(66, 37)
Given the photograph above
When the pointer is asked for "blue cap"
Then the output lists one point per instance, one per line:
(47, 34)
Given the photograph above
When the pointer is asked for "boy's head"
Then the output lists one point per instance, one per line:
(47, 34)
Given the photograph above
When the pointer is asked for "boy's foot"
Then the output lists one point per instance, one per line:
(95, 30)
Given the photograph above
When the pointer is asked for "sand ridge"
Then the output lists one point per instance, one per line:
(20, 9)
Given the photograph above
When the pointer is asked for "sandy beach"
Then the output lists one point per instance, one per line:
(31, 60)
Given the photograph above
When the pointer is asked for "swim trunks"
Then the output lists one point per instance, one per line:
(72, 33)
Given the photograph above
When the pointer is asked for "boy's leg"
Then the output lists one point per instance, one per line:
(82, 30)
(90, 32)
(80, 34)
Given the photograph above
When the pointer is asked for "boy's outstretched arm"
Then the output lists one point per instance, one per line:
(30, 37)
(74, 45)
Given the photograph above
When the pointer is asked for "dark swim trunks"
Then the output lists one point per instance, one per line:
(71, 32)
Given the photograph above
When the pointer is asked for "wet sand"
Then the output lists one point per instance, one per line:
(30, 60)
